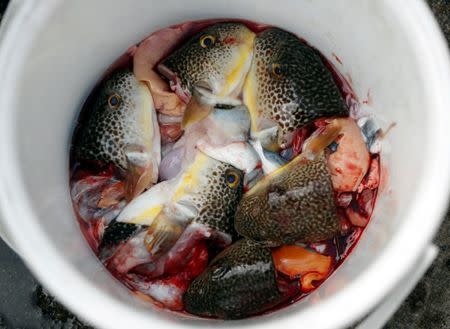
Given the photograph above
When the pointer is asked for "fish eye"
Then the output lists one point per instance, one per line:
(207, 40)
(232, 178)
(277, 71)
(114, 101)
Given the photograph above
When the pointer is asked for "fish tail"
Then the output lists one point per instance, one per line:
(320, 139)
(196, 110)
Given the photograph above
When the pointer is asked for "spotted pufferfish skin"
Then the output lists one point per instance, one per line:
(217, 58)
(288, 86)
(222, 192)
(295, 203)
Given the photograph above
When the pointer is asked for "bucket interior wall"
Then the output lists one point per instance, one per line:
(83, 37)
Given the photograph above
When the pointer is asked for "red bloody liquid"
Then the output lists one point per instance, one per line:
(89, 180)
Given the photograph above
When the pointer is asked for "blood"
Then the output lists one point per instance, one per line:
(229, 41)
(336, 57)
(299, 138)
(351, 166)
(176, 282)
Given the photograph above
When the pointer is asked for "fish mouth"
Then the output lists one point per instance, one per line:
(208, 96)
(204, 89)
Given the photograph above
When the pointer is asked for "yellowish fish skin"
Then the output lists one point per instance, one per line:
(217, 58)
(144, 209)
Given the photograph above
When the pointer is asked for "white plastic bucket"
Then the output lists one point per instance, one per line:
(51, 55)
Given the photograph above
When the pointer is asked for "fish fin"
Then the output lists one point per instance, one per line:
(320, 139)
(141, 171)
(312, 149)
(162, 235)
(196, 110)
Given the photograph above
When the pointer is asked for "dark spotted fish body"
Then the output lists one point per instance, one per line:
(288, 86)
(217, 58)
(122, 130)
(294, 203)
(239, 282)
